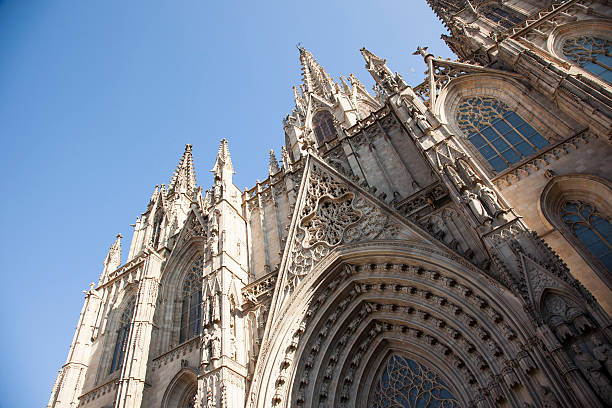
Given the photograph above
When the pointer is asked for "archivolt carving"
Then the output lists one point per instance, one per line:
(482, 343)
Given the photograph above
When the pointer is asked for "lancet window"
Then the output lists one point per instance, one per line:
(501, 136)
(404, 383)
(500, 15)
(157, 223)
(591, 53)
(591, 227)
(323, 126)
(122, 336)
(191, 311)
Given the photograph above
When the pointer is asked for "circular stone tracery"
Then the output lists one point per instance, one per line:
(404, 383)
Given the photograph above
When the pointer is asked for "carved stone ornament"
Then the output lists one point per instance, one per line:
(332, 213)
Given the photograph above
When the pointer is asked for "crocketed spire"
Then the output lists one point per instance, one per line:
(223, 163)
(113, 258)
(273, 168)
(183, 180)
(316, 79)
(444, 9)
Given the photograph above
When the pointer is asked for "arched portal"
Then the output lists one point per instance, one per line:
(181, 391)
(373, 301)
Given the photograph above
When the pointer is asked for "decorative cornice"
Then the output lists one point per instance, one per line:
(544, 157)
(260, 290)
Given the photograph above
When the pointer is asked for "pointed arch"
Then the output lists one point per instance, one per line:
(586, 45)
(404, 382)
(579, 206)
(121, 336)
(375, 297)
(501, 122)
(182, 389)
(156, 230)
(168, 313)
(323, 126)
(191, 308)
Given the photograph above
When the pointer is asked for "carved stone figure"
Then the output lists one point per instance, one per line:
(489, 198)
(592, 370)
(216, 344)
(421, 121)
(217, 189)
(455, 178)
(472, 201)
(206, 349)
(602, 352)
(213, 244)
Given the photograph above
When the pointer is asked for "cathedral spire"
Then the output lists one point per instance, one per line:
(385, 79)
(444, 9)
(183, 180)
(316, 79)
(223, 163)
(113, 258)
(273, 168)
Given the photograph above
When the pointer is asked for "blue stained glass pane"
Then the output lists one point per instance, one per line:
(524, 149)
(603, 227)
(593, 230)
(489, 133)
(487, 151)
(538, 141)
(523, 128)
(498, 163)
(500, 144)
(514, 119)
(477, 140)
(513, 138)
(511, 156)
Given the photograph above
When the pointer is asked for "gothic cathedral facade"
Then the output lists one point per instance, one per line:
(447, 244)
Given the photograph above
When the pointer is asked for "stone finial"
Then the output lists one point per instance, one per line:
(285, 157)
(273, 168)
(183, 180)
(113, 258)
(223, 163)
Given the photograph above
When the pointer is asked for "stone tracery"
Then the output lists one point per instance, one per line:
(407, 384)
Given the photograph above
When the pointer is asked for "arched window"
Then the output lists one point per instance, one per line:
(591, 53)
(500, 15)
(122, 336)
(157, 223)
(323, 126)
(500, 135)
(191, 312)
(404, 383)
(591, 227)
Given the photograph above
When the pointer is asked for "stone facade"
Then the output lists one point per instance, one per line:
(426, 243)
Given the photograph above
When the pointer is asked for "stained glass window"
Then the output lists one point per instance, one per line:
(500, 135)
(404, 383)
(323, 126)
(501, 16)
(592, 229)
(591, 53)
(191, 312)
(122, 336)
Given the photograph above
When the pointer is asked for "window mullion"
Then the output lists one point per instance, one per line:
(492, 147)
(520, 134)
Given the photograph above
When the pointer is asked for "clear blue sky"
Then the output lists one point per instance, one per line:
(98, 99)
